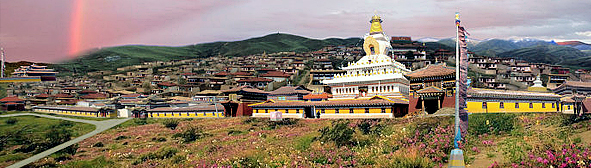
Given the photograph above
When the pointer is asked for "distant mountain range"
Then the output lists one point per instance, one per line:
(574, 54)
(112, 58)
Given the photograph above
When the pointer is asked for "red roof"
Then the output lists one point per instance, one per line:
(430, 89)
(286, 90)
(11, 99)
(43, 96)
(63, 95)
(166, 84)
(246, 89)
(256, 79)
(319, 52)
(322, 95)
(266, 69)
(131, 95)
(431, 70)
(188, 74)
(12, 103)
(275, 74)
(87, 91)
(94, 96)
(240, 73)
(221, 74)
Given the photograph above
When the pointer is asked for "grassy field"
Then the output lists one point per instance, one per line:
(497, 140)
(24, 136)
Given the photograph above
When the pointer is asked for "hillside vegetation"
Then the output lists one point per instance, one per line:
(114, 57)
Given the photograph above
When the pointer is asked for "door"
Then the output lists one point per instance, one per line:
(308, 112)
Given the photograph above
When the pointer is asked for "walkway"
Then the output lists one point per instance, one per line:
(100, 127)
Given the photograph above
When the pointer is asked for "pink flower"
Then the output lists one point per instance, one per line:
(550, 155)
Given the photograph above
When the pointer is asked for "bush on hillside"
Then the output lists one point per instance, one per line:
(171, 123)
(494, 123)
(340, 133)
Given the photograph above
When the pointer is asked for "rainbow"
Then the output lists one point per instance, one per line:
(75, 27)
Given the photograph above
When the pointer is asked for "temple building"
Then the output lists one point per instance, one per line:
(431, 88)
(505, 101)
(374, 74)
(373, 87)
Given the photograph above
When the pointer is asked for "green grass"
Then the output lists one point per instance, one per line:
(39, 125)
(32, 128)
(100, 161)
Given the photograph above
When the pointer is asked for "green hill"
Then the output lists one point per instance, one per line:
(551, 54)
(494, 46)
(112, 58)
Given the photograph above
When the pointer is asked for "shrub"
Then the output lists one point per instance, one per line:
(491, 123)
(514, 149)
(235, 132)
(11, 121)
(140, 121)
(285, 122)
(121, 137)
(98, 144)
(162, 153)
(159, 139)
(191, 134)
(71, 150)
(370, 126)
(171, 123)
(339, 133)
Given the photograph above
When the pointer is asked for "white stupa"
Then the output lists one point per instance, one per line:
(374, 74)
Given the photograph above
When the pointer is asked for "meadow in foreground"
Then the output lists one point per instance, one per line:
(494, 140)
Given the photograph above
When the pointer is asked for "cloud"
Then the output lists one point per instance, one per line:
(183, 22)
(586, 33)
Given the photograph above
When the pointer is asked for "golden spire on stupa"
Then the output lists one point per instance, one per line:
(376, 24)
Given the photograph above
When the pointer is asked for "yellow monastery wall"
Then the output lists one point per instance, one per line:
(186, 115)
(72, 113)
(509, 107)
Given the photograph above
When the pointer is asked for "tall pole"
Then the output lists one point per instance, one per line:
(2, 50)
(456, 157)
(457, 112)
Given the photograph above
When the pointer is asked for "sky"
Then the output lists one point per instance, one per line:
(57, 30)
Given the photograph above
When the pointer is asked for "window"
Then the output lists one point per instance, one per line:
(366, 110)
(516, 105)
(553, 106)
(297, 111)
(266, 110)
(322, 111)
(383, 110)
(568, 107)
(351, 111)
(286, 111)
(484, 105)
(501, 105)
(531, 105)
(543, 105)
(336, 111)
